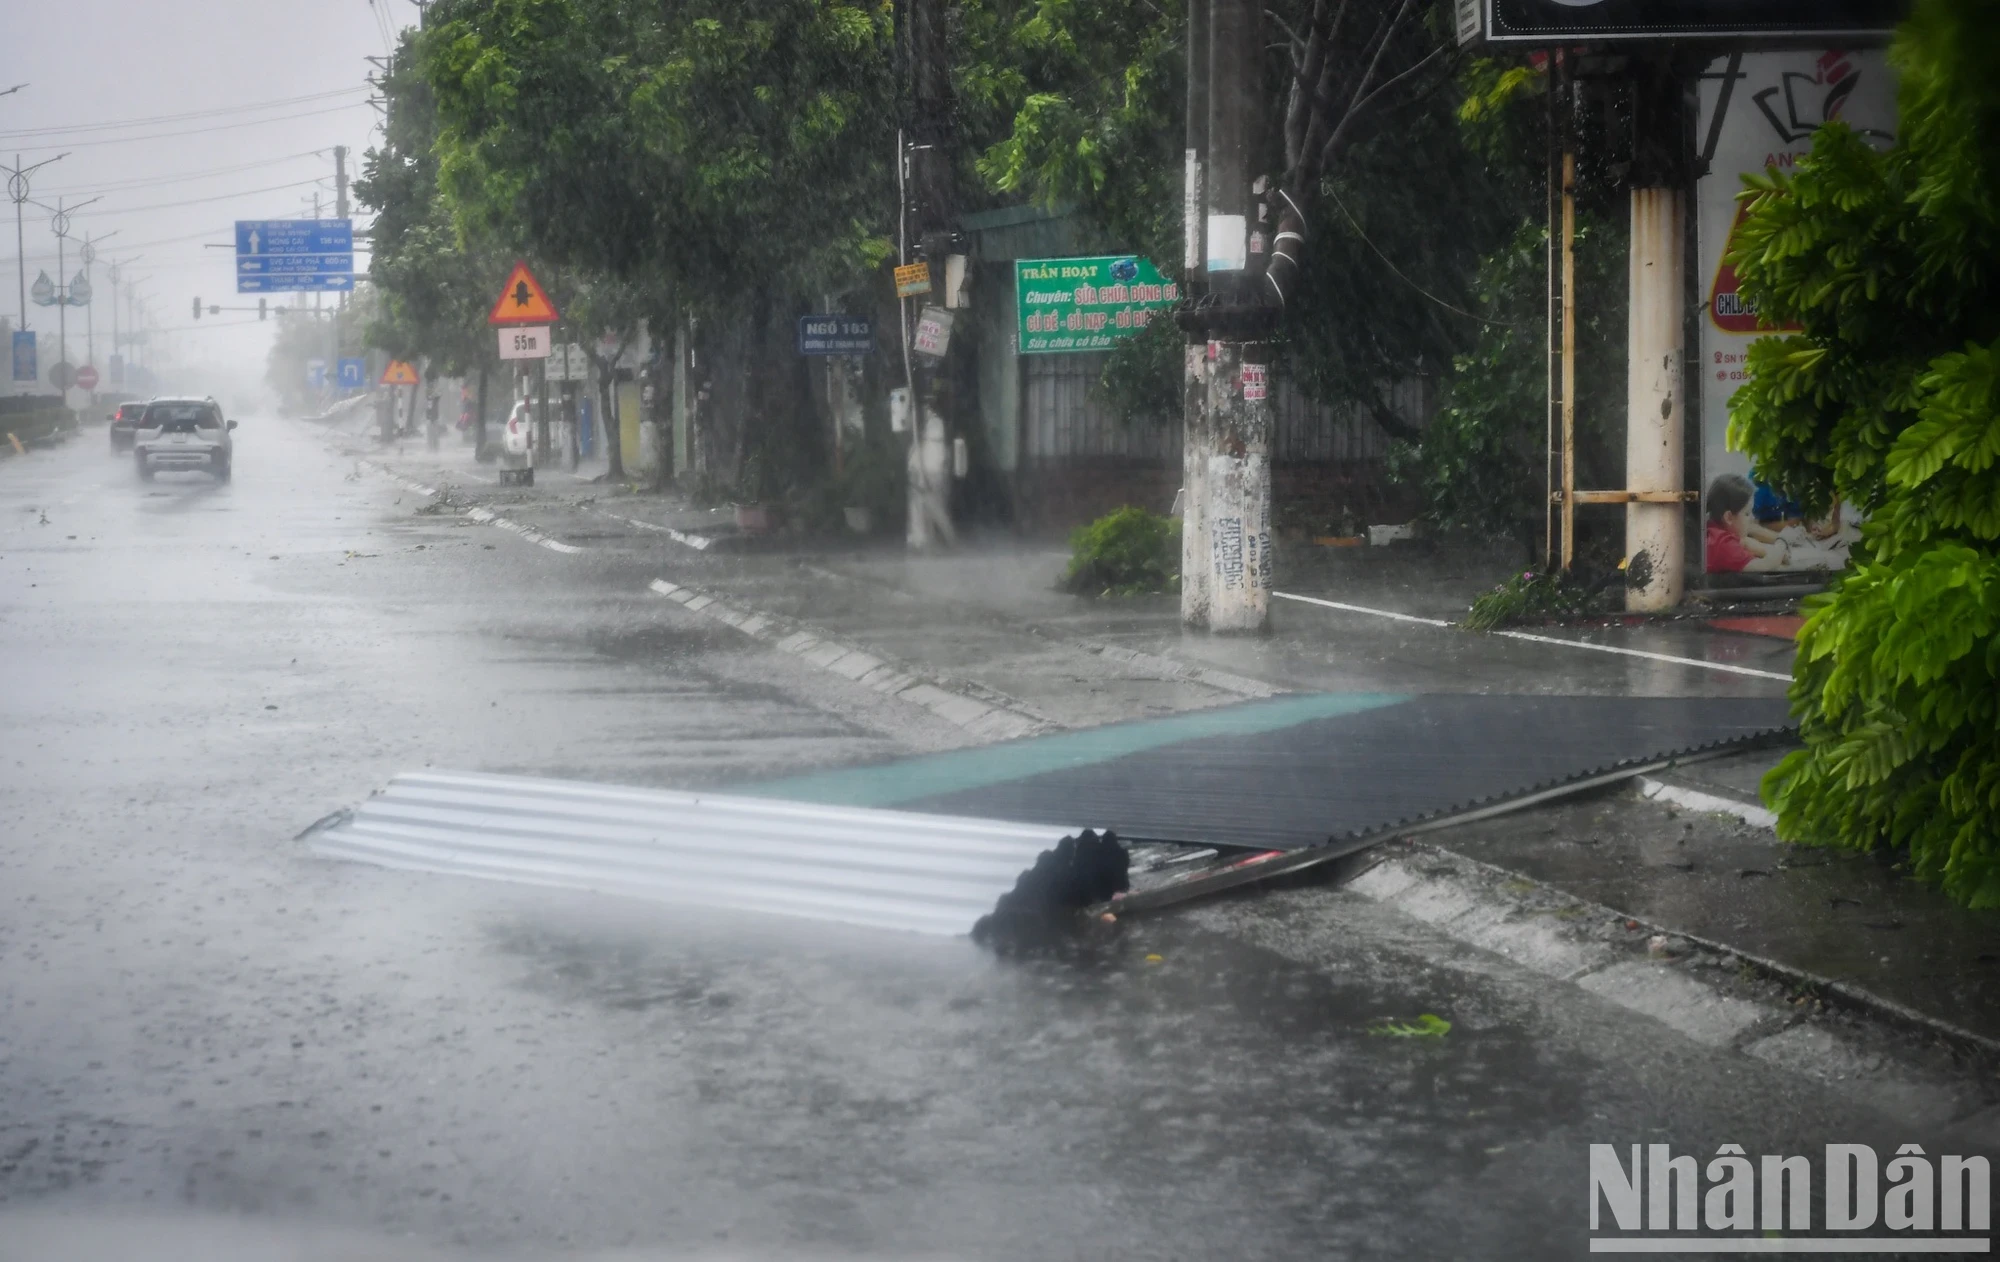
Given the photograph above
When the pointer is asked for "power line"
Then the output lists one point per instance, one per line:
(193, 131)
(218, 112)
(196, 201)
(152, 181)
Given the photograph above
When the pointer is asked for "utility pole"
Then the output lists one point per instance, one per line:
(1194, 370)
(1656, 342)
(88, 254)
(339, 212)
(1230, 447)
(17, 192)
(932, 206)
(59, 223)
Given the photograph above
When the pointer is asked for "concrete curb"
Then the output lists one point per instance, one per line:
(1597, 948)
(700, 543)
(980, 711)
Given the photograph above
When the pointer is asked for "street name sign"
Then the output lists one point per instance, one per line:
(523, 301)
(294, 255)
(836, 335)
(524, 343)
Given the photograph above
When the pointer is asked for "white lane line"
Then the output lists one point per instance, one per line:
(993, 715)
(1697, 800)
(700, 543)
(1547, 639)
(486, 516)
(1378, 613)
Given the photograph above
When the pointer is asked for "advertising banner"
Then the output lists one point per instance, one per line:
(1771, 114)
(1086, 304)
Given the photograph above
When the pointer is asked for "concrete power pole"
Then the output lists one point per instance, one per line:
(1226, 556)
(339, 212)
(1194, 374)
(1656, 344)
(931, 205)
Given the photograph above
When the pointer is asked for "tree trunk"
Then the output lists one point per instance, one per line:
(614, 435)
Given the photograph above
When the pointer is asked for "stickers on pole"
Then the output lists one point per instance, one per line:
(1256, 384)
(524, 343)
(933, 333)
(523, 301)
(399, 373)
(913, 280)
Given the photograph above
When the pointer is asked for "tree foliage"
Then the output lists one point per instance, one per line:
(1889, 400)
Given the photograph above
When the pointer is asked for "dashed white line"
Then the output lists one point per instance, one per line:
(1546, 639)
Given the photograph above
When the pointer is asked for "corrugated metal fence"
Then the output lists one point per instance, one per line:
(1063, 419)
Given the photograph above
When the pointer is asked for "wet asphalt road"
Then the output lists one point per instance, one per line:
(201, 1023)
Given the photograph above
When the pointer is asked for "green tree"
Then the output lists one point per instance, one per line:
(1889, 401)
(435, 278)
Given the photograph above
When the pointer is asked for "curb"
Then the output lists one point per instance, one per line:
(980, 711)
(1549, 931)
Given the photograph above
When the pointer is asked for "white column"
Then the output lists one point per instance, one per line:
(1653, 404)
(1238, 490)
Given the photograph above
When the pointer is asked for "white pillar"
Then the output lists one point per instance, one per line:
(1655, 350)
(1238, 490)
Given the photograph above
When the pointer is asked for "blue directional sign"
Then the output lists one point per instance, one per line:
(25, 368)
(294, 255)
(836, 335)
(315, 374)
(353, 373)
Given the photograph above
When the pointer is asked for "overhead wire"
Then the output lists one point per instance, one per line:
(156, 119)
(196, 201)
(150, 181)
(192, 131)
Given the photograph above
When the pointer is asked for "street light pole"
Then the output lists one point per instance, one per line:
(17, 192)
(89, 256)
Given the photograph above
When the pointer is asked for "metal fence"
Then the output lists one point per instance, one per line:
(1063, 419)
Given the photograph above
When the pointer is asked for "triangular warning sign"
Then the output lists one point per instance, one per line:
(523, 300)
(399, 373)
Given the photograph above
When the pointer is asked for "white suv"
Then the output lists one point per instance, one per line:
(178, 434)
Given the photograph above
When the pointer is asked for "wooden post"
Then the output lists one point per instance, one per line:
(1568, 357)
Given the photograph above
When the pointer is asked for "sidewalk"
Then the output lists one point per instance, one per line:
(1690, 852)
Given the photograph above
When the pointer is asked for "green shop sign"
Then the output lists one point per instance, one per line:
(1086, 304)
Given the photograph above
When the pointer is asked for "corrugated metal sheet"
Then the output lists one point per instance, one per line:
(884, 869)
(1065, 419)
(1366, 773)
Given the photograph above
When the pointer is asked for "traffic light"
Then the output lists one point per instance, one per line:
(197, 308)
(260, 307)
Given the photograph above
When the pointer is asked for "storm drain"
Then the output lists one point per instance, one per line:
(884, 869)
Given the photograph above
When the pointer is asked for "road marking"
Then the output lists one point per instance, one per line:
(700, 543)
(1697, 800)
(484, 516)
(989, 714)
(1546, 639)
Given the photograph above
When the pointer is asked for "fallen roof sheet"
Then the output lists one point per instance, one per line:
(1365, 772)
(885, 869)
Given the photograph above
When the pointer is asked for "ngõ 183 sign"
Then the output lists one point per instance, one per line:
(1087, 304)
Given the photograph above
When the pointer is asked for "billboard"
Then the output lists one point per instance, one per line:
(1550, 22)
(1091, 304)
(1771, 113)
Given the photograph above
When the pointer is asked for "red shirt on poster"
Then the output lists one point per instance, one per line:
(1726, 553)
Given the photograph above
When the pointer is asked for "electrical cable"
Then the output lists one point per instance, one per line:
(150, 181)
(218, 112)
(1500, 324)
(194, 131)
(196, 201)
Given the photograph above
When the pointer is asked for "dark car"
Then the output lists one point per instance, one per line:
(123, 422)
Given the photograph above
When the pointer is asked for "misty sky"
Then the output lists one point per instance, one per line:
(95, 62)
